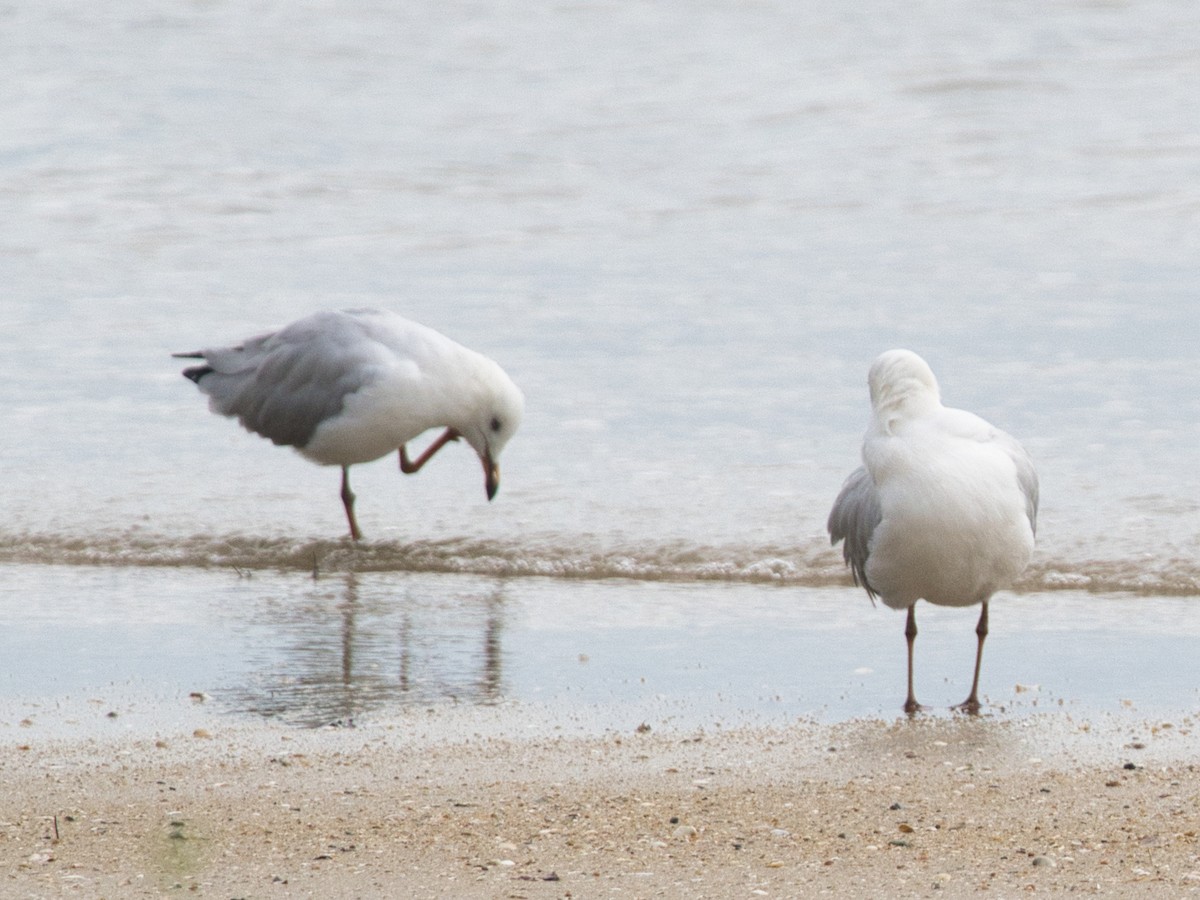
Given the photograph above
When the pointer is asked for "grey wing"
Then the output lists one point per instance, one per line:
(1027, 477)
(853, 519)
(283, 385)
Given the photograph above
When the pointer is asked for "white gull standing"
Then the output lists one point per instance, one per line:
(943, 509)
(351, 386)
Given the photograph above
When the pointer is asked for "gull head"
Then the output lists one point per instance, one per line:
(491, 419)
(900, 379)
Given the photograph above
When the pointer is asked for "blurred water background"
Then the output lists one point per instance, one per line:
(685, 229)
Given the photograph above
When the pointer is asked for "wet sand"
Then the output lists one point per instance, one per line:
(940, 806)
(154, 748)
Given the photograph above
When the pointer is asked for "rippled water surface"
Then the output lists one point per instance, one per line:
(684, 229)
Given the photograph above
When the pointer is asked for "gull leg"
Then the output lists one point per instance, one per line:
(971, 704)
(348, 502)
(910, 634)
(408, 467)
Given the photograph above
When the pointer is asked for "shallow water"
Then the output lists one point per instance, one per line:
(579, 655)
(684, 230)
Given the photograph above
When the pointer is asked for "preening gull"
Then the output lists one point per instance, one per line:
(350, 386)
(944, 507)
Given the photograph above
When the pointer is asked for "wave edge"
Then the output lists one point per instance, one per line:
(806, 566)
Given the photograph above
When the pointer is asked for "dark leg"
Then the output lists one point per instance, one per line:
(971, 704)
(408, 466)
(348, 502)
(910, 633)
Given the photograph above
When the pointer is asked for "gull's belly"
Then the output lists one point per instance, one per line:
(948, 545)
(373, 422)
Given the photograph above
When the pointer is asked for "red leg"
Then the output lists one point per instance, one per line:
(971, 704)
(408, 467)
(348, 502)
(910, 634)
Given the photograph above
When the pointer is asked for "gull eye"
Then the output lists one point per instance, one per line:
(495, 424)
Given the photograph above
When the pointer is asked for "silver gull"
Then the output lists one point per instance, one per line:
(350, 386)
(944, 507)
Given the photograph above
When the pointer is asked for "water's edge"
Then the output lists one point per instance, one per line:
(814, 565)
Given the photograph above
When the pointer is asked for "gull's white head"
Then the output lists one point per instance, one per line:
(901, 378)
(492, 419)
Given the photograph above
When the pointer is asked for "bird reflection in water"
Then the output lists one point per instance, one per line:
(329, 657)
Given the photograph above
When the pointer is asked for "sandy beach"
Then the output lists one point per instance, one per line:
(939, 806)
(685, 231)
(632, 740)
